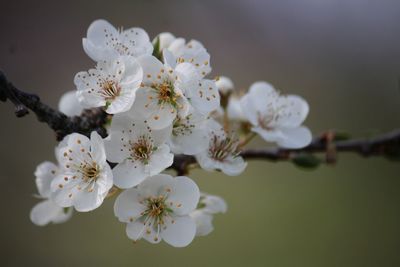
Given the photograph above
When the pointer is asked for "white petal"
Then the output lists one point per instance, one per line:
(114, 145)
(160, 159)
(97, 148)
(187, 72)
(127, 207)
(213, 204)
(203, 222)
(138, 42)
(249, 110)
(180, 233)
(46, 211)
(204, 96)
(294, 112)
(95, 44)
(184, 194)
(166, 38)
(45, 173)
(234, 110)
(234, 166)
(128, 174)
(295, 138)
(86, 201)
(206, 162)
(151, 69)
(69, 104)
(191, 143)
(268, 135)
(154, 185)
(169, 58)
(138, 230)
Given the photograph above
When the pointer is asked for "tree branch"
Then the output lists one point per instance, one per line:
(387, 145)
(90, 119)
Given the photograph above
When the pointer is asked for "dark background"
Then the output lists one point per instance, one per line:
(342, 56)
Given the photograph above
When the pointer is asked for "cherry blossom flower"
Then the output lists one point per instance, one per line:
(189, 134)
(203, 215)
(112, 84)
(159, 208)
(222, 153)
(139, 151)
(84, 177)
(275, 117)
(47, 211)
(166, 92)
(104, 42)
(176, 50)
(69, 104)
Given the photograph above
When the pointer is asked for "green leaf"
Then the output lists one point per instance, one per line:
(156, 51)
(306, 161)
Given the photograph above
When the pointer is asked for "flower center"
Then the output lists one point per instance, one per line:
(142, 149)
(157, 209)
(90, 171)
(182, 126)
(110, 90)
(220, 148)
(166, 93)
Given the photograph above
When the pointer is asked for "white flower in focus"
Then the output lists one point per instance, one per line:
(69, 104)
(84, 177)
(203, 215)
(159, 208)
(112, 84)
(166, 92)
(189, 134)
(176, 50)
(224, 84)
(104, 42)
(277, 118)
(222, 152)
(47, 211)
(139, 151)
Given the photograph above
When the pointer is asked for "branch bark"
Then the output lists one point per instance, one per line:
(387, 145)
(90, 119)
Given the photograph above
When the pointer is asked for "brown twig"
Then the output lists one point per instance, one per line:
(387, 144)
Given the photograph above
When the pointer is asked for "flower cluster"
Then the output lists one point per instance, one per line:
(161, 103)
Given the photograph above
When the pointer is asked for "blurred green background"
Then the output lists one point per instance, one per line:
(342, 56)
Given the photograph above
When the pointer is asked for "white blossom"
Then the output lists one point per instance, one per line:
(176, 50)
(112, 84)
(47, 211)
(84, 177)
(203, 215)
(166, 92)
(222, 152)
(189, 134)
(69, 104)
(105, 42)
(159, 208)
(224, 84)
(275, 117)
(139, 151)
